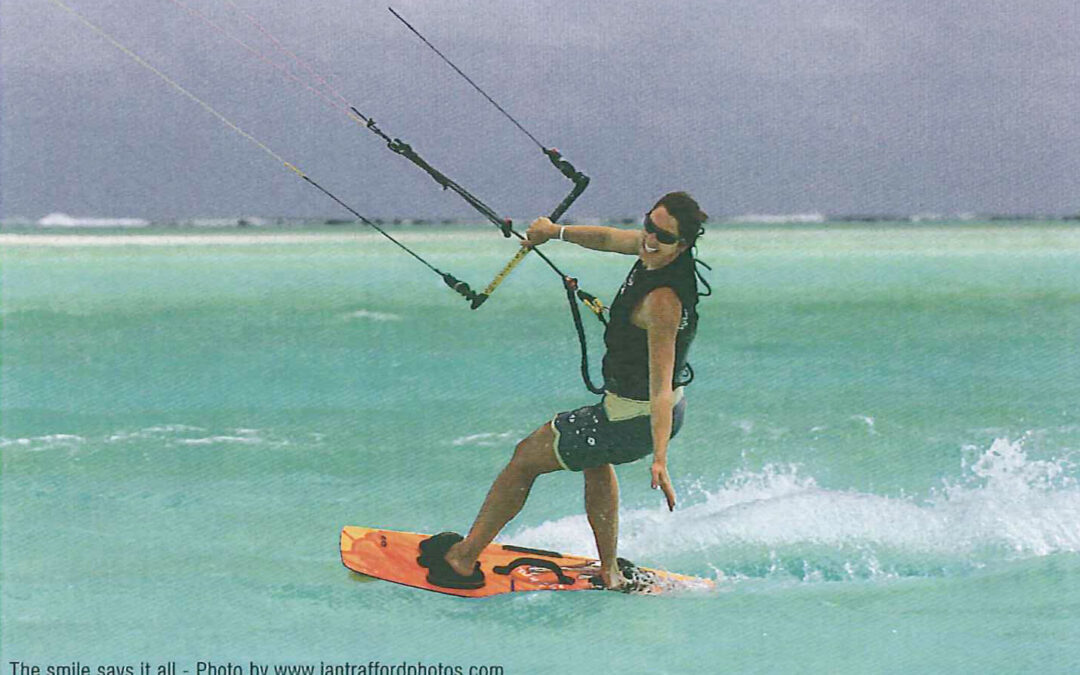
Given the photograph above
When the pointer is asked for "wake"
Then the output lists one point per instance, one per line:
(778, 523)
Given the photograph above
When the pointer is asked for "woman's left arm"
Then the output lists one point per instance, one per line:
(661, 311)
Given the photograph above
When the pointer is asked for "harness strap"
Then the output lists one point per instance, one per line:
(571, 286)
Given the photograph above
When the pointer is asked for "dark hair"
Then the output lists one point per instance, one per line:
(686, 212)
(690, 218)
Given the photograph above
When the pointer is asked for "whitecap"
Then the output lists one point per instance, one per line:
(373, 316)
(210, 440)
(868, 421)
(158, 431)
(41, 443)
(486, 439)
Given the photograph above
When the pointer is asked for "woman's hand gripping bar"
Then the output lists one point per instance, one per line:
(581, 181)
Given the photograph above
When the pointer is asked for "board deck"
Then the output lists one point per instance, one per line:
(391, 556)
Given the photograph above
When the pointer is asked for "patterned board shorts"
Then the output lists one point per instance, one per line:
(587, 437)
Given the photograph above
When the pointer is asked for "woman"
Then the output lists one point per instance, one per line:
(652, 323)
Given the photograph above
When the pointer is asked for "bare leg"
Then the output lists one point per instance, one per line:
(533, 456)
(602, 507)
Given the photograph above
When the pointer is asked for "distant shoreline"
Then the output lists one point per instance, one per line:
(59, 223)
(282, 226)
(806, 238)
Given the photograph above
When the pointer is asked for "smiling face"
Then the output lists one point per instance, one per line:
(655, 253)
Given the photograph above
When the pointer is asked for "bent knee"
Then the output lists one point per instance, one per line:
(522, 452)
(536, 453)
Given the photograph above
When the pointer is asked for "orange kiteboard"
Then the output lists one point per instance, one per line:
(392, 556)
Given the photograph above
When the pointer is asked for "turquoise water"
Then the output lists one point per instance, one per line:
(878, 465)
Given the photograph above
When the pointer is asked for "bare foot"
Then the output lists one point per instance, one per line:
(613, 579)
(458, 562)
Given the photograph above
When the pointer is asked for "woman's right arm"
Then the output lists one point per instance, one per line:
(590, 236)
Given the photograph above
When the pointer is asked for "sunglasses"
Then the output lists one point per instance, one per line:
(662, 236)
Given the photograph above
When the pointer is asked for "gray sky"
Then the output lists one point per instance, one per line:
(755, 106)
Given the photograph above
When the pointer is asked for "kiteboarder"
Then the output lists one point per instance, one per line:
(653, 320)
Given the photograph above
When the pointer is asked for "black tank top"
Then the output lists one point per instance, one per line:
(626, 363)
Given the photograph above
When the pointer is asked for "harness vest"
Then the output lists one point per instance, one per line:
(626, 363)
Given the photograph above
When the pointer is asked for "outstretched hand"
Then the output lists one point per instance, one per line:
(540, 231)
(661, 480)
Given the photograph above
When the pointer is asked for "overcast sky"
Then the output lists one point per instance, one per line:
(755, 106)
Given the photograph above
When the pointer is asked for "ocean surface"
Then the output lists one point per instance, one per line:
(878, 466)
